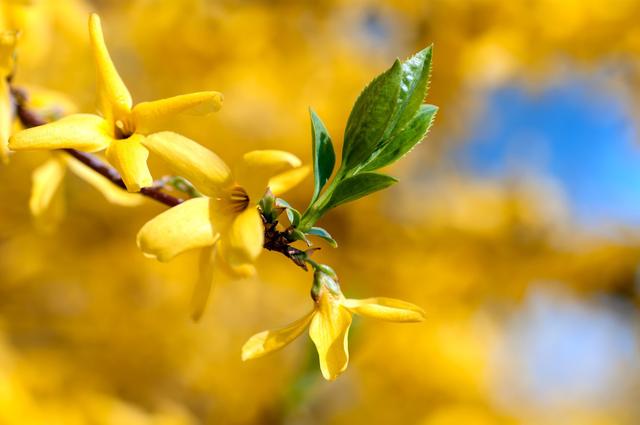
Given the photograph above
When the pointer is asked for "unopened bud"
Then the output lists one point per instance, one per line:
(268, 206)
(322, 279)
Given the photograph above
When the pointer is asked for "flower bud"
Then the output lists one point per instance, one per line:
(324, 277)
(268, 205)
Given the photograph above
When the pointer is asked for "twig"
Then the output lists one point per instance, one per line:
(113, 176)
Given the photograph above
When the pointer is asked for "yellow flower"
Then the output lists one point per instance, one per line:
(329, 324)
(121, 129)
(47, 202)
(7, 52)
(225, 223)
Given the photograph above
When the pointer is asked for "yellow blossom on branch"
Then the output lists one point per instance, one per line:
(122, 128)
(225, 224)
(329, 324)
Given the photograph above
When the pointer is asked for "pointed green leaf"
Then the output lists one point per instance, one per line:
(403, 142)
(322, 233)
(292, 214)
(416, 72)
(381, 111)
(324, 157)
(415, 75)
(360, 185)
(370, 117)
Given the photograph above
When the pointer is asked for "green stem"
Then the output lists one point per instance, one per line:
(312, 263)
(319, 207)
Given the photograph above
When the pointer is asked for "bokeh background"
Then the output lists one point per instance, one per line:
(515, 225)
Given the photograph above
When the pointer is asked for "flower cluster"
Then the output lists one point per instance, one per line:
(231, 213)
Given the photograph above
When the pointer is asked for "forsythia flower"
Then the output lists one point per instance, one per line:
(47, 203)
(329, 324)
(7, 51)
(122, 129)
(225, 223)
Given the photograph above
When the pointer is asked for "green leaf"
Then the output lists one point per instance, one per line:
(356, 187)
(415, 75)
(370, 117)
(324, 158)
(403, 142)
(322, 233)
(292, 214)
(384, 108)
(416, 72)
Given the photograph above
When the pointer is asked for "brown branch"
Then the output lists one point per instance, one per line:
(113, 176)
(274, 240)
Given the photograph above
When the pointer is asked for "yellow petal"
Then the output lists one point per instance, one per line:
(114, 194)
(110, 84)
(386, 309)
(208, 173)
(84, 132)
(266, 342)
(6, 117)
(329, 331)
(288, 180)
(46, 203)
(150, 116)
(258, 167)
(237, 270)
(129, 157)
(242, 241)
(178, 229)
(207, 266)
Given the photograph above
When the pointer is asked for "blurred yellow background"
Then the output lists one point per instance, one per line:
(514, 224)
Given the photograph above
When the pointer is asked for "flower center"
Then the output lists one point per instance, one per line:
(123, 129)
(238, 200)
